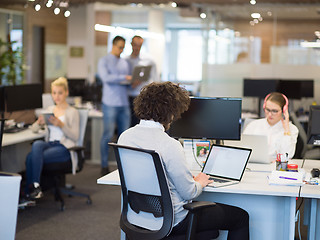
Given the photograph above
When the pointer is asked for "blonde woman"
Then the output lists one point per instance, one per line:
(62, 133)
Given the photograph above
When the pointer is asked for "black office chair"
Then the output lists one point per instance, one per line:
(54, 174)
(147, 211)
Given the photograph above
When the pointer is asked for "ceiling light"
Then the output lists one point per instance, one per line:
(64, 4)
(104, 28)
(31, 0)
(67, 13)
(253, 2)
(139, 5)
(49, 3)
(174, 4)
(307, 44)
(255, 21)
(255, 15)
(237, 34)
(56, 11)
(269, 14)
(37, 7)
(203, 15)
(260, 19)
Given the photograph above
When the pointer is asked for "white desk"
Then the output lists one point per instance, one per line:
(15, 147)
(271, 208)
(311, 193)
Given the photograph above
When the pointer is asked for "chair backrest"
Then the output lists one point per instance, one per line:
(83, 114)
(301, 146)
(47, 100)
(147, 211)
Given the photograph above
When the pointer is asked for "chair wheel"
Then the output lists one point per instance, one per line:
(89, 202)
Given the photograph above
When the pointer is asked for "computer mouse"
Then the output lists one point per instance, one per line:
(315, 172)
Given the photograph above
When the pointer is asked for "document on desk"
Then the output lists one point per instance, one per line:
(196, 153)
(286, 178)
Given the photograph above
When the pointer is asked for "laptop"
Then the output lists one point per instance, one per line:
(141, 73)
(226, 164)
(258, 144)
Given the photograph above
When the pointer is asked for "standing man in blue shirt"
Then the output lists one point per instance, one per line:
(138, 59)
(115, 76)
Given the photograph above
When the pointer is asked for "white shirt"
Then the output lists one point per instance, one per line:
(56, 133)
(277, 141)
(142, 60)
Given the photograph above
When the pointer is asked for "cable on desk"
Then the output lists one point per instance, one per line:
(303, 162)
(194, 156)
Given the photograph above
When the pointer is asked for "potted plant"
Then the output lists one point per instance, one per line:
(11, 63)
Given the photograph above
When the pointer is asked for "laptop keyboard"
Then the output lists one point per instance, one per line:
(218, 180)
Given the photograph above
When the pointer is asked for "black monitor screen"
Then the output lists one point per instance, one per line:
(77, 87)
(209, 118)
(296, 89)
(259, 87)
(313, 134)
(23, 97)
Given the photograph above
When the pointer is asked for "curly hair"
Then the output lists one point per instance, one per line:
(161, 102)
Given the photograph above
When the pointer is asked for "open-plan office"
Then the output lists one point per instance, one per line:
(211, 55)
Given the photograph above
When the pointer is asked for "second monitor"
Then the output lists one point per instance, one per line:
(209, 118)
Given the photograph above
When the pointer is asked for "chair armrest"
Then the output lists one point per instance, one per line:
(196, 206)
(76, 148)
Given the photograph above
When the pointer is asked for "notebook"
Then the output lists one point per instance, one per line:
(141, 73)
(226, 164)
(258, 144)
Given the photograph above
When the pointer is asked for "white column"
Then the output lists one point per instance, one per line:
(157, 45)
(80, 34)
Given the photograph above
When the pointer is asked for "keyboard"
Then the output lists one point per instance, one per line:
(14, 130)
(218, 180)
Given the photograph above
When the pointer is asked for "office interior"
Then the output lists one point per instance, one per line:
(210, 47)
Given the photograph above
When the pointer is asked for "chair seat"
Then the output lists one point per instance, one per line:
(58, 168)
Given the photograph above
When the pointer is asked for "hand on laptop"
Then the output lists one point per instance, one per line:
(135, 83)
(203, 179)
(128, 78)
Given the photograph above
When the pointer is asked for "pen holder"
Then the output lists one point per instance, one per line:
(281, 166)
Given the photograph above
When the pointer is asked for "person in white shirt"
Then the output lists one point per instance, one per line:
(158, 105)
(137, 58)
(282, 134)
(62, 133)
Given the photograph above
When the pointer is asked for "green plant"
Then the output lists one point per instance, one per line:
(11, 64)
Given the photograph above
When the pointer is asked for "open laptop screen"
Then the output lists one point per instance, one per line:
(227, 162)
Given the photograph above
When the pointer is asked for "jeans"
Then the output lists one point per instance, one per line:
(42, 153)
(112, 117)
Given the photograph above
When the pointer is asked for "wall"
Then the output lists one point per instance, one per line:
(278, 33)
(55, 36)
(227, 80)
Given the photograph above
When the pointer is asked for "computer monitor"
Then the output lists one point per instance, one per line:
(22, 97)
(296, 89)
(209, 118)
(313, 134)
(77, 87)
(259, 87)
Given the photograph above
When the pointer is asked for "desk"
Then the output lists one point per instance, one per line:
(271, 208)
(311, 193)
(15, 147)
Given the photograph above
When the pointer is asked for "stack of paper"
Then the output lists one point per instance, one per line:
(286, 178)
